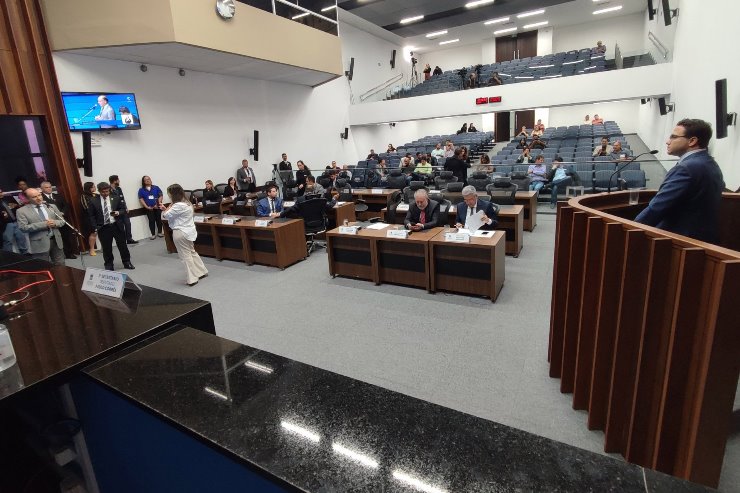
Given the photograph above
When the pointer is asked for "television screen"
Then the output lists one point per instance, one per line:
(87, 111)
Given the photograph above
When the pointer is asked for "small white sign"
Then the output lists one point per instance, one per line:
(227, 220)
(348, 230)
(288, 203)
(377, 191)
(262, 223)
(199, 219)
(457, 237)
(397, 233)
(402, 207)
(104, 282)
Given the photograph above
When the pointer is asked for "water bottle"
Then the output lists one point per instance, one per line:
(7, 353)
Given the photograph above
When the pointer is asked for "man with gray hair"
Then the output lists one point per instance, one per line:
(423, 213)
(472, 205)
(41, 222)
(620, 154)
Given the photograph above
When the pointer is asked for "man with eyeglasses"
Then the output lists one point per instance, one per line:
(689, 199)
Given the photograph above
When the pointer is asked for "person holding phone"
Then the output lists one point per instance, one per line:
(423, 213)
(604, 149)
(179, 216)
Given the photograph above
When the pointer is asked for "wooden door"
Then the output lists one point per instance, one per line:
(505, 48)
(524, 118)
(526, 44)
(503, 121)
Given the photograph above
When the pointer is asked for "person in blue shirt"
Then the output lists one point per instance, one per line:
(150, 197)
(557, 176)
(272, 205)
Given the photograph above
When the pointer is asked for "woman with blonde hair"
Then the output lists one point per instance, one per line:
(179, 216)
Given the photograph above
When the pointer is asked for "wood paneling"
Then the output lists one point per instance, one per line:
(28, 86)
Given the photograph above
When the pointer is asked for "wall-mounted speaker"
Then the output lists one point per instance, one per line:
(723, 119)
(664, 107)
(651, 10)
(393, 59)
(255, 151)
(668, 14)
(349, 73)
(344, 135)
(87, 153)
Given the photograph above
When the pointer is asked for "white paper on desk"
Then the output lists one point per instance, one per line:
(474, 222)
(378, 226)
(341, 203)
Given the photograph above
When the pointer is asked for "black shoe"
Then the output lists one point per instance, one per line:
(71, 257)
(132, 242)
(204, 275)
(128, 265)
(193, 283)
(109, 267)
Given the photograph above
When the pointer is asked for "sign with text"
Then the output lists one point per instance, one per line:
(348, 230)
(457, 237)
(227, 220)
(104, 282)
(199, 219)
(487, 100)
(397, 233)
(262, 223)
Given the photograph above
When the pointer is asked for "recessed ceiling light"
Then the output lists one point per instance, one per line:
(536, 24)
(478, 3)
(412, 19)
(530, 13)
(496, 21)
(436, 33)
(610, 9)
(327, 9)
(300, 15)
(449, 41)
(502, 31)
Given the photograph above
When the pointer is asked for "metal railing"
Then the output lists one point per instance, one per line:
(380, 87)
(658, 45)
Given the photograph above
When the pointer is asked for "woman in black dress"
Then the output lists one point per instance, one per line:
(88, 193)
(210, 194)
(300, 177)
(232, 189)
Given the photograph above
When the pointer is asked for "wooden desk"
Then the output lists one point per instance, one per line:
(280, 244)
(510, 220)
(228, 203)
(471, 268)
(375, 201)
(340, 212)
(527, 199)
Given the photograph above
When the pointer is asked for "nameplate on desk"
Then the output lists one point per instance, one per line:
(397, 233)
(104, 282)
(348, 230)
(402, 207)
(262, 223)
(457, 237)
(376, 191)
(199, 219)
(288, 203)
(227, 220)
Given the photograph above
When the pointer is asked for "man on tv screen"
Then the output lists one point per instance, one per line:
(107, 116)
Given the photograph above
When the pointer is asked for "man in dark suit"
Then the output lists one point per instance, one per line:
(272, 205)
(115, 189)
(423, 213)
(106, 215)
(689, 199)
(471, 205)
(458, 167)
(54, 198)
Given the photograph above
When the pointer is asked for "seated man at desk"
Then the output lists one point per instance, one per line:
(272, 205)
(423, 213)
(313, 186)
(472, 205)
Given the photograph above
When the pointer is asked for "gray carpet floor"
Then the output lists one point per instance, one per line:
(486, 359)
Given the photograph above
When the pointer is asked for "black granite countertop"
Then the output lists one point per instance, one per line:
(320, 431)
(57, 328)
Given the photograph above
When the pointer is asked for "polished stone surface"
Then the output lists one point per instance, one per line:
(56, 328)
(320, 431)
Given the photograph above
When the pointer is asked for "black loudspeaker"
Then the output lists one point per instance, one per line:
(393, 59)
(667, 12)
(87, 153)
(255, 151)
(349, 73)
(663, 107)
(344, 135)
(651, 10)
(643, 101)
(723, 119)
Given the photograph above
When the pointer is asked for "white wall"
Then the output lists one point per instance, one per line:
(453, 58)
(695, 69)
(625, 113)
(627, 30)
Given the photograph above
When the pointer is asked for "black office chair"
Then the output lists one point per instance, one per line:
(239, 208)
(444, 178)
(197, 196)
(453, 192)
(212, 207)
(313, 213)
(290, 189)
(521, 180)
(480, 180)
(392, 202)
(221, 187)
(409, 191)
(444, 209)
(396, 179)
(502, 191)
(188, 195)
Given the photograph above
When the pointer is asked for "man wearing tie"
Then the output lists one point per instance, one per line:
(473, 205)
(245, 178)
(106, 216)
(423, 213)
(52, 198)
(270, 206)
(11, 230)
(40, 221)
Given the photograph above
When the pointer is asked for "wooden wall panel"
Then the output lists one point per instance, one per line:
(29, 87)
(559, 288)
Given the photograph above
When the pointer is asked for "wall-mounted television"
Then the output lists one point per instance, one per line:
(89, 111)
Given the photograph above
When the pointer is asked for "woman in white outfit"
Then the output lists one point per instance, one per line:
(179, 216)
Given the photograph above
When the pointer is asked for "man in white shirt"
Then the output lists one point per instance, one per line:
(438, 152)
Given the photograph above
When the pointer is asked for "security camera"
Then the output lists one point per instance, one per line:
(181, 72)
(143, 67)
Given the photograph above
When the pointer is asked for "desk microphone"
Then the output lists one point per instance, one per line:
(620, 168)
(94, 106)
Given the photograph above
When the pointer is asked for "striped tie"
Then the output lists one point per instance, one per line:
(106, 212)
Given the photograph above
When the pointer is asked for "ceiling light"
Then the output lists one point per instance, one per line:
(436, 33)
(300, 15)
(327, 9)
(449, 41)
(502, 31)
(536, 24)
(530, 13)
(610, 9)
(496, 21)
(478, 3)
(412, 19)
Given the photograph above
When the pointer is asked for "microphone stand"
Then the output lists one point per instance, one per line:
(82, 118)
(61, 218)
(620, 168)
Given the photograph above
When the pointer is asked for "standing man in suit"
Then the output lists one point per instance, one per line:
(245, 178)
(285, 168)
(40, 221)
(115, 190)
(689, 199)
(107, 113)
(11, 231)
(471, 205)
(423, 213)
(51, 198)
(272, 205)
(106, 215)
